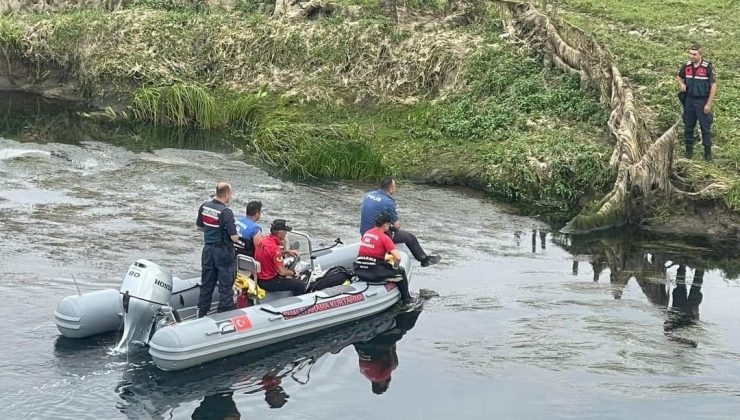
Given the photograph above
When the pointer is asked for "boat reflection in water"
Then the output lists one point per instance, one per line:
(148, 391)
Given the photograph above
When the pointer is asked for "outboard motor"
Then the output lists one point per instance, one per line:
(146, 288)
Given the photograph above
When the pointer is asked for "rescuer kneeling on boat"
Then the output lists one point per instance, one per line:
(371, 265)
(273, 275)
(216, 220)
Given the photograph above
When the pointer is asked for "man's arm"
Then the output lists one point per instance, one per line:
(710, 101)
(679, 79)
(257, 239)
(199, 219)
(681, 84)
(284, 272)
(391, 248)
(277, 258)
(397, 256)
(390, 208)
(712, 91)
(230, 225)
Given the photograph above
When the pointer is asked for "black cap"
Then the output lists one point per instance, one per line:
(280, 224)
(383, 218)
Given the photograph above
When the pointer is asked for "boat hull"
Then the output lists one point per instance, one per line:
(191, 343)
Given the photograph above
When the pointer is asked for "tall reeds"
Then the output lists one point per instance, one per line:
(180, 105)
(280, 136)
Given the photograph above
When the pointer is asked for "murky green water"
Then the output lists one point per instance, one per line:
(529, 324)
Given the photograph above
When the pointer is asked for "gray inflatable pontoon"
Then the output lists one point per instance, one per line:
(156, 309)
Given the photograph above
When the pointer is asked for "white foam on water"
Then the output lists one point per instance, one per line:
(35, 196)
(10, 154)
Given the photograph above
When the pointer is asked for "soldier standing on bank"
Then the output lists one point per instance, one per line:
(698, 83)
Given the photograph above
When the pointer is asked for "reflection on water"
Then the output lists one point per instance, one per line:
(659, 267)
(35, 118)
(219, 406)
(146, 389)
(32, 118)
(684, 309)
(378, 357)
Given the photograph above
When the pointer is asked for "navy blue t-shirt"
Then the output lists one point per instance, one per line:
(375, 203)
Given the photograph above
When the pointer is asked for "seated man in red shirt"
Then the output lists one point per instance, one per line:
(371, 266)
(274, 276)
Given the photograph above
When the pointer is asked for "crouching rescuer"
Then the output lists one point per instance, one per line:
(371, 265)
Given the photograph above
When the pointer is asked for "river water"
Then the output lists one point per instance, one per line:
(528, 323)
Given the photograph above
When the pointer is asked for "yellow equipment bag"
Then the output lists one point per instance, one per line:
(243, 282)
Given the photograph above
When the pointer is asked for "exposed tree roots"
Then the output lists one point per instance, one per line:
(644, 168)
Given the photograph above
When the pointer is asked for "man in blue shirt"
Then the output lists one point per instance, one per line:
(380, 201)
(216, 220)
(248, 229)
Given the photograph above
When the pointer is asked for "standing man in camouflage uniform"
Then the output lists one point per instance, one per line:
(698, 82)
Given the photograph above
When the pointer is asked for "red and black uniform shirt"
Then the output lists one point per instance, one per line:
(698, 79)
(217, 221)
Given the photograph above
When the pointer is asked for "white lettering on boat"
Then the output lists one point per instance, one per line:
(324, 306)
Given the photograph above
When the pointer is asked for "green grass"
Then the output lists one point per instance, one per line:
(347, 100)
(112, 54)
(527, 136)
(181, 105)
(308, 150)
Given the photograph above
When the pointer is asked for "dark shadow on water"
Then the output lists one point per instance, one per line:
(219, 406)
(630, 249)
(684, 309)
(650, 259)
(378, 357)
(147, 391)
(64, 346)
(32, 118)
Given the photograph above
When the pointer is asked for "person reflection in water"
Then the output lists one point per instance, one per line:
(275, 395)
(378, 357)
(684, 310)
(219, 406)
(377, 364)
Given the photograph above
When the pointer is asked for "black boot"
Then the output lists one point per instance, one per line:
(689, 151)
(430, 260)
(708, 153)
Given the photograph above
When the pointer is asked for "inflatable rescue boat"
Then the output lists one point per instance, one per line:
(156, 309)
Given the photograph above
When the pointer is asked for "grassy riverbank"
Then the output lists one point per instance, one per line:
(339, 98)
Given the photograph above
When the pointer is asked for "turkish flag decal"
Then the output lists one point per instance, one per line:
(242, 323)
